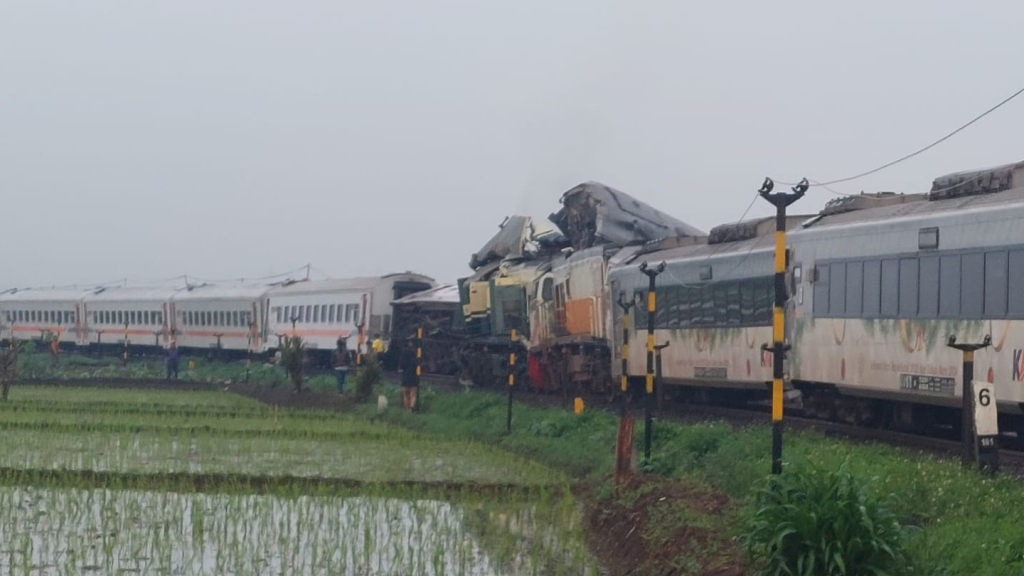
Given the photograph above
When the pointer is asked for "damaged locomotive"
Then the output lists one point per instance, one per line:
(543, 290)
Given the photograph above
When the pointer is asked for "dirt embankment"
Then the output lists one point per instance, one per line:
(660, 526)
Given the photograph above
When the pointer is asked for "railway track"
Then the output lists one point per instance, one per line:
(1011, 460)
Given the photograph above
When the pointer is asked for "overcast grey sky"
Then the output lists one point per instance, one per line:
(227, 139)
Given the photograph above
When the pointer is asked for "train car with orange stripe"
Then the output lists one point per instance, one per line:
(223, 317)
(139, 315)
(32, 314)
(322, 311)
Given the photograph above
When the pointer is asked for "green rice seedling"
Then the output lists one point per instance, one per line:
(822, 523)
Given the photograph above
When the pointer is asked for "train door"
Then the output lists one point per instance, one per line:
(543, 319)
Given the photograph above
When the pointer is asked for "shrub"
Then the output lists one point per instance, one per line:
(367, 377)
(820, 523)
(293, 358)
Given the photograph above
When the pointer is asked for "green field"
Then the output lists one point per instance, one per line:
(75, 523)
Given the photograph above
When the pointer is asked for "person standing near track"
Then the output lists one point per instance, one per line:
(340, 361)
(410, 382)
(172, 360)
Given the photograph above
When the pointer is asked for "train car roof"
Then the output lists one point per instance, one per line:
(593, 213)
(445, 294)
(229, 291)
(360, 284)
(133, 294)
(974, 190)
(44, 294)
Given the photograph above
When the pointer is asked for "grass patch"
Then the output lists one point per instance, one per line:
(968, 522)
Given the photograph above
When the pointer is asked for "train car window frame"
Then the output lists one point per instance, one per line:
(1015, 278)
(323, 313)
(820, 294)
(308, 315)
(996, 283)
(330, 314)
(908, 288)
(837, 289)
(949, 286)
(972, 285)
(890, 288)
(854, 289)
(928, 286)
(316, 313)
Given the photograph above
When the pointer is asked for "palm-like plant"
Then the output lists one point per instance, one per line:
(293, 358)
(8, 367)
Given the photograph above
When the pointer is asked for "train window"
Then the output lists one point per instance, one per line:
(120, 317)
(308, 317)
(821, 290)
(837, 289)
(316, 313)
(908, 288)
(928, 239)
(928, 293)
(732, 303)
(747, 300)
(239, 319)
(707, 305)
(765, 300)
(705, 273)
(355, 313)
(330, 314)
(972, 285)
(547, 289)
(854, 289)
(890, 288)
(995, 284)
(323, 313)
(1016, 279)
(145, 318)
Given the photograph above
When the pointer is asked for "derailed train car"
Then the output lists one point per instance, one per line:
(551, 288)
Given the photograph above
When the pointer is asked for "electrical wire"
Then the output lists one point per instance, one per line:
(919, 151)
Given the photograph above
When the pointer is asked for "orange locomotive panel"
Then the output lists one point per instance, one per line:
(580, 316)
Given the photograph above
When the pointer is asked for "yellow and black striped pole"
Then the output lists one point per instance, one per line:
(626, 307)
(511, 379)
(780, 200)
(652, 308)
(419, 366)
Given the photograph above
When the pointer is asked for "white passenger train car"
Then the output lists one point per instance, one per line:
(322, 311)
(32, 313)
(883, 281)
(220, 316)
(140, 315)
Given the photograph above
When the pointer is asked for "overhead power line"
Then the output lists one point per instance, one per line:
(916, 152)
